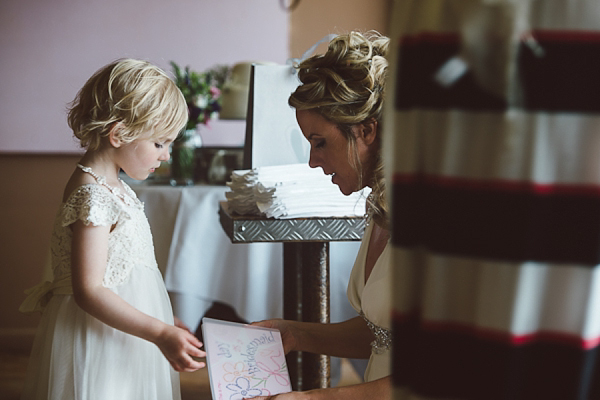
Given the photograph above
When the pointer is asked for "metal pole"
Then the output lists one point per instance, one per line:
(306, 298)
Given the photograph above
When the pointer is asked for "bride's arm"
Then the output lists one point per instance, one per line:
(349, 339)
(379, 389)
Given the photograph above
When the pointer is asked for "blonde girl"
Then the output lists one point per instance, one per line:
(107, 329)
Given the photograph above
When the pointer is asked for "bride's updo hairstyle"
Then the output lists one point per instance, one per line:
(136, 95)
(346, 86)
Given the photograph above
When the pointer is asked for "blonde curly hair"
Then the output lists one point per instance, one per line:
(137, 95)
(346, 86)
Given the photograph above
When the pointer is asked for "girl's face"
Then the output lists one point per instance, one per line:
(142, 156)
(329, 150)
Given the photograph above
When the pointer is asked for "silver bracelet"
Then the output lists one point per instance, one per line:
(383, 337)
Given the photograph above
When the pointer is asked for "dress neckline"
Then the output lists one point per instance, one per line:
(124, 197)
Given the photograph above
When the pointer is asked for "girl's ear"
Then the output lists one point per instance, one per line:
(113, 135)
(368, 131)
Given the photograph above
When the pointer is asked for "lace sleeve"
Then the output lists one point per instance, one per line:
(92, 204)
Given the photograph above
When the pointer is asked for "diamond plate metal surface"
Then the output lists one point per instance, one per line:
(244, 229)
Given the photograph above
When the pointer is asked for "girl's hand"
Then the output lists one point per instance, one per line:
(179, 346)
(289, 332)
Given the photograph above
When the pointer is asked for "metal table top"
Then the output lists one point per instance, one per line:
(253, 229)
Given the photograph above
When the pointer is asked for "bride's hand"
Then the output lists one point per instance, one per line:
(288, 329)
(285, 396)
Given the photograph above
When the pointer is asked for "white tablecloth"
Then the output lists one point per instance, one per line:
(201, 265)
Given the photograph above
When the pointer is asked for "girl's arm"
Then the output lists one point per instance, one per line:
(349, 339)
(379, 389)
(88, 259)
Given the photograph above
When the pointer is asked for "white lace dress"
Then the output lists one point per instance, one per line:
(75, 356)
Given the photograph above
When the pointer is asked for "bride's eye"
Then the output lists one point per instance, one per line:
(319, 144)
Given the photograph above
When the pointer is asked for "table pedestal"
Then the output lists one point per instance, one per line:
(306, 298)
(306, 274)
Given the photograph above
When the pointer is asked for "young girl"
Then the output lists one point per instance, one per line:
(106, 314)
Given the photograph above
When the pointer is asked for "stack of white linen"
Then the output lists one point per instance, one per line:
(291, 191)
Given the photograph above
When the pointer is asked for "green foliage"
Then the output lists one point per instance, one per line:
(202, 91)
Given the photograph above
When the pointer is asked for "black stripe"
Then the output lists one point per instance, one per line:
(455, 365)
(496, 224)
(564, 79)
(416, 88)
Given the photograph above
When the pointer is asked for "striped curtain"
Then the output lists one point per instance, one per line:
(492, 145)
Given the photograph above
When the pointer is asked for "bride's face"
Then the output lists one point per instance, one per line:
(329, 150)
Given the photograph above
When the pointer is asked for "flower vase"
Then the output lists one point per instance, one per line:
(183, 158)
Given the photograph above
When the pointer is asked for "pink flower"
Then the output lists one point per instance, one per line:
(215, 92)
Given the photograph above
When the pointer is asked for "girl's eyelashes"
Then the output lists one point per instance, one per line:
(162, 143)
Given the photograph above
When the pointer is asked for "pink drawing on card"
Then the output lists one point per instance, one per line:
(244, 361)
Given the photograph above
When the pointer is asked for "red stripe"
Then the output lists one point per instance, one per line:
(496, 335)
(499, 185)
(567, 36)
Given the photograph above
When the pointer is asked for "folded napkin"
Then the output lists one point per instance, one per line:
(291, 191)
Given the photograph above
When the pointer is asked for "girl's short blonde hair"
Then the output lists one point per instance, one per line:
(135, 94)
(346, 86)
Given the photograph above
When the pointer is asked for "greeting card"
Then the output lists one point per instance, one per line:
(244, 361)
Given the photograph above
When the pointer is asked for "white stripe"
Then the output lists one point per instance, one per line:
(538, 147)
(517, 298)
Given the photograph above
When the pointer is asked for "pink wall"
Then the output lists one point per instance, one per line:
(49, 48)
(44, 60)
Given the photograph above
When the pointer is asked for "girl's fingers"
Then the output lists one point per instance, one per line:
(193, 347)
(196, 352)
(194, 340)
(191, 365)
